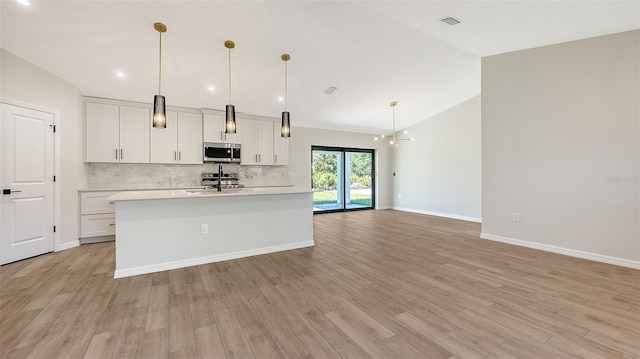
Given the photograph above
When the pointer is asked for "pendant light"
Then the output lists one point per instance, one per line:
(230, 118)
(159, 108)
(394, 141)
(285, 129)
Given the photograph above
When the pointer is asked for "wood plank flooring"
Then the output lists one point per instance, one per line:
(378, 284)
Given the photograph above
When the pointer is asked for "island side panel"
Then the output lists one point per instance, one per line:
(160, 234)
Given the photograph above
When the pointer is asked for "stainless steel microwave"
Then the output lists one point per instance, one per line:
(221, 152)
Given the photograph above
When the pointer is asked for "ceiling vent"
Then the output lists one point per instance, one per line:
(450, 20)
(330, 90)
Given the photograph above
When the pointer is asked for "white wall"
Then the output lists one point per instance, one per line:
(22, 81)
(560, 145)
(439, 173)
(300, 157)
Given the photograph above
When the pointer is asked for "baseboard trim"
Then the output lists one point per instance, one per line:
(565, 251)
(68, 245)
(438, 214)
(120, 273)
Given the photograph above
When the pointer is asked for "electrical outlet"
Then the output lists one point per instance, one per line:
(204, 229)
(515, 217)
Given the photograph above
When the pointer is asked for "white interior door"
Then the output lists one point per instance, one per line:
(26, 202)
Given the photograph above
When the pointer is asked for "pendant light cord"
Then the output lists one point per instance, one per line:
(229, 76)
(394, 124)
(160, 66)
(285, 85)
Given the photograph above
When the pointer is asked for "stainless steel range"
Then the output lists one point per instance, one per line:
(228, 180)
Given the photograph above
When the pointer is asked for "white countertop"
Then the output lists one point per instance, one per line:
(170, 188)
(202, 193)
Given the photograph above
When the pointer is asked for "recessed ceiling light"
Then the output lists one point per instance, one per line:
(24, 2)
(120, 74)
(211, 88)
(280, 99)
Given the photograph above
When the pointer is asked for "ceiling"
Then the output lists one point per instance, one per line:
(372, 52)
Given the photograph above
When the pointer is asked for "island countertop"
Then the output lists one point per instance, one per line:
(202, 193)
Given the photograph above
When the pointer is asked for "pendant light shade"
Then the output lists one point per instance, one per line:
(230, 118)
(159, 107)
(159, 112)
(285, 128)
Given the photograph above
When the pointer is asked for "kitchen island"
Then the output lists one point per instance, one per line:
(168, 229)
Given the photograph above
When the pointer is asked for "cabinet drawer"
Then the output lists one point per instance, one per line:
(97, 225)
(96, 203)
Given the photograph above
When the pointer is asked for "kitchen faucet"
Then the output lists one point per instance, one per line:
(220, 177)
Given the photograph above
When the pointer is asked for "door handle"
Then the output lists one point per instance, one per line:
(8, 191)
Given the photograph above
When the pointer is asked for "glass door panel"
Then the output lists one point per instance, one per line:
(358, 188)
(327, 180)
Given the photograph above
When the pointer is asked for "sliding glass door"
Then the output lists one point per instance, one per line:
(342, 178)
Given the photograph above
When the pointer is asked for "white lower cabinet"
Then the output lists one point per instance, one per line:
(97, 216)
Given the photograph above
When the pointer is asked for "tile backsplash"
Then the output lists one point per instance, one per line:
(121, 175)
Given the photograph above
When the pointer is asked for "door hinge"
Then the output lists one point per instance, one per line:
(54, 229)
(53, 127)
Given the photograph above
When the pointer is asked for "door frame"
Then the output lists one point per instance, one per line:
(343, 150)
(57, 203)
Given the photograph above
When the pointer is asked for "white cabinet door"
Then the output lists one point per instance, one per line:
(163, 141)
(257, 143)
(102, 132)
(96, 203)
(189, 138)
(265, 142)
(280, 148)
(249, 149)
(134, 134)
(214, 129)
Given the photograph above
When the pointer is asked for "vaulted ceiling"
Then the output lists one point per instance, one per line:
(372, 52)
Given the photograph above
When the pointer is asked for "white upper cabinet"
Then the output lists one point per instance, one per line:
(189, 138)
(280, 147)
(116, 133)
(135, 123)
(257, 142)
(180, 142)
(214, 128)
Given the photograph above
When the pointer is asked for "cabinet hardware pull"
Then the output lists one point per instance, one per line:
(112, 224)
(179, 155)
(256, 157)
(111, 202)
(221, 136)
(259, 157)
(275, 159)
(116, 153)
(121, 155)
(174, 156)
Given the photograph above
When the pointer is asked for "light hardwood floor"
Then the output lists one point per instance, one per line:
(381, 284)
